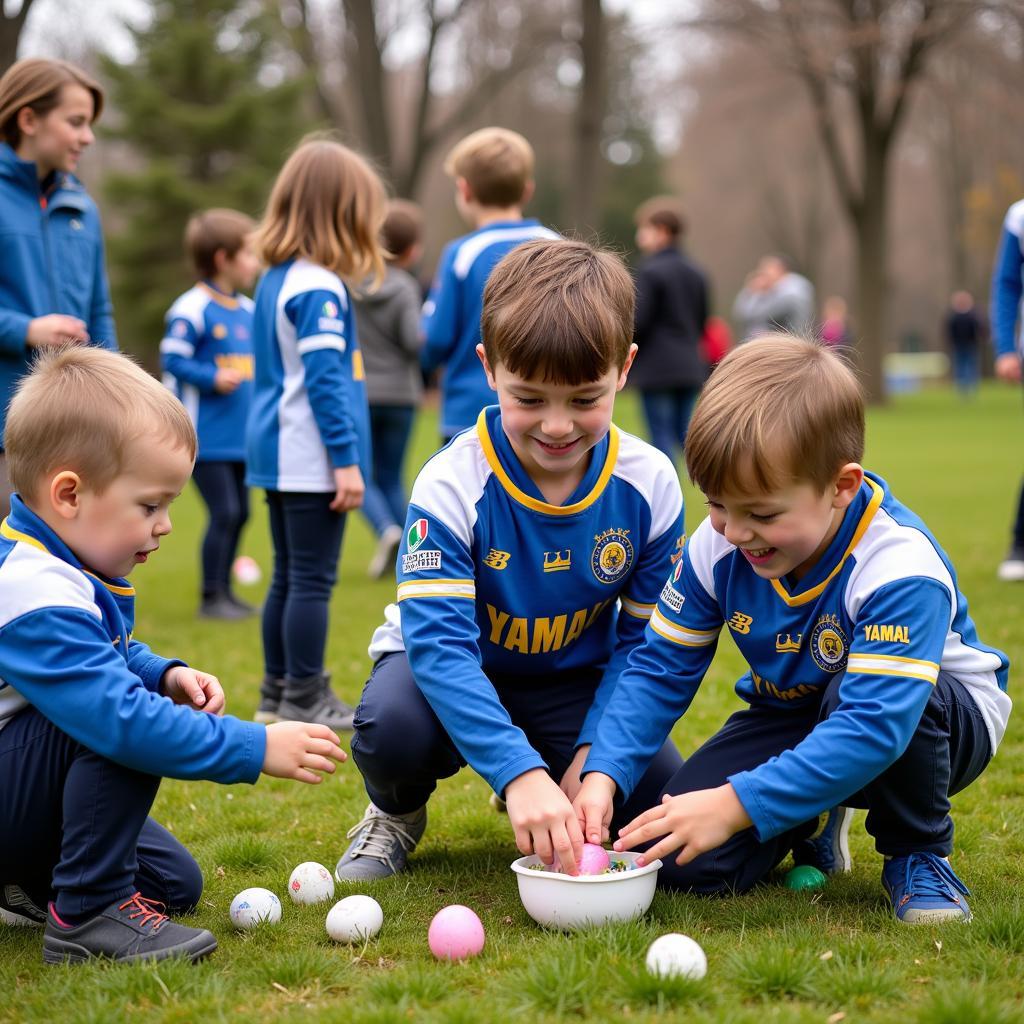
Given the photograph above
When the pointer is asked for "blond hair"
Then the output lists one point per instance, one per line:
(778, 409)
(211, 231)
(80, 408)
(327, 206)
(37, 83)
(496, 163)
(559, 311)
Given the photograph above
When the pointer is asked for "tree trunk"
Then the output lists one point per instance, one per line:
(10, 33)
(871, 327)
(361, 16)
(589, 117)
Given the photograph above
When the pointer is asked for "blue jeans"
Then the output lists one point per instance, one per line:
(385, 503)
(76, 827)
(908, 804)
(306, 536)
(402, 749)
(965, 369)
(222, 486)
(668, 417)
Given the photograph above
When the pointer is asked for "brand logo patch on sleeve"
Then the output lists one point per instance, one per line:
(420, 561)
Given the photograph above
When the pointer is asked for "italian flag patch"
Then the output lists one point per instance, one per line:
(417, 534)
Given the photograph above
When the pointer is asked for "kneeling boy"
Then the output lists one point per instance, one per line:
(868, 685)
(535, 547)
(90, 718)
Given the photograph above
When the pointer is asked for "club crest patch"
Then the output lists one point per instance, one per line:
(612, 555)
(829, 645)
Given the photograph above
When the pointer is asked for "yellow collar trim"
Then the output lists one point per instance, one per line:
(542, 506)
(865, 521)
(10, 533)
(219, 297)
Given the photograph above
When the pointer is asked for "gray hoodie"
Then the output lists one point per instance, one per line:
(388, 322)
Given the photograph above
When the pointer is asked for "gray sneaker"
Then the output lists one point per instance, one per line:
(17, 908)
(326, 709)
(381, 844)
(271, 689)
(128, 930)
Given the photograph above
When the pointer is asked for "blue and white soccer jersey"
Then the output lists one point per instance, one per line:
(309, 412)
(881, 607)
(492, 579)
(207, 331)
(451, 316)
(1008, 284)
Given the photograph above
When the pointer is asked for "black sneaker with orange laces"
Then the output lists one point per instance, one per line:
(128, 930)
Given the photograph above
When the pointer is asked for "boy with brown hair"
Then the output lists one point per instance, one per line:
(534, 551)
(206, 354)
(493, 173)
(868, 685)
(90, 718)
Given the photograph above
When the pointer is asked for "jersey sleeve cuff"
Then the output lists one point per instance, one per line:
(613, 771)
(343, 455)
(525, 763)
(255, 749)
(152, 670)
(765, 826)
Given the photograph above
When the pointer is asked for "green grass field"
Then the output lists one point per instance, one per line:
(773, 954)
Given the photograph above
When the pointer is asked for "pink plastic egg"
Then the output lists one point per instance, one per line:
(455, 933)
(594, 860)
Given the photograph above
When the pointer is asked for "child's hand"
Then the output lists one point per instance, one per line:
(226, 380)
(593, 806)
(348, 489)
(543, 820)
(697, 822)
(198, 690)
(298, 750)
(571, 781)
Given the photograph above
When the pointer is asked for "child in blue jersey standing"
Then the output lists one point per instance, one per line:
(90, 718)
(535, 548)
(308, 431)
(207, 360)
(868, 685)
(493, 173)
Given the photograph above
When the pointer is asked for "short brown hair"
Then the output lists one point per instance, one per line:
(779, 408)
(559, 311)
(327, 206)
(496, 163)
(402, 227)
(80, 408)
(37, 82)
(210, 231)
(663, 212)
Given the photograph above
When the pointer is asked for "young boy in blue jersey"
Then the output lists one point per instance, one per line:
(207, 360)
(90, 718)
(534, 552)
(868, 685)
(493, 173)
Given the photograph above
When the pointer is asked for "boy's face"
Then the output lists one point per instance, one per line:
(239, 271)
(785, 530)
(116, 530)
(652, 238)
(553, 427)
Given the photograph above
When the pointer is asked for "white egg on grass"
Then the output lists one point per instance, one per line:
(354, 919)
(676, 956)
(254, 906)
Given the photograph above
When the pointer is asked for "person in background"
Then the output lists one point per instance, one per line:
(206, 354)
(388, 318)
(671, 314)
(774, 298)
(47, 110)
(835, 323)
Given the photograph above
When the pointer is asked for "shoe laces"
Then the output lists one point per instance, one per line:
(145, 909)
(928, 875)
(380, 833)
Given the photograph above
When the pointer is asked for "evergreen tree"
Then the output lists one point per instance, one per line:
(206, 131)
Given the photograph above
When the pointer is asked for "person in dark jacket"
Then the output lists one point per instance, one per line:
(964, 332)
(53, 282)
(671, 311)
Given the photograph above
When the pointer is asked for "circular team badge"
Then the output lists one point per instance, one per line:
(612, 555)
(829, 646)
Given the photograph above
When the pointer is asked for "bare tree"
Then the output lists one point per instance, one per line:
(10, 32)
(590, 112)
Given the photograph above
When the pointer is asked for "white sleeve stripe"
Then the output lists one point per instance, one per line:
(885, 665)
(641, 611)
(679, 635)
(437, 588)
(319, 341)
(176, 347)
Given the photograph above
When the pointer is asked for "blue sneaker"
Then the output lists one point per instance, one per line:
(924, 889)
(828, 849)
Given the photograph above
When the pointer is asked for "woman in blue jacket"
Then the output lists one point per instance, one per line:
(53, 282)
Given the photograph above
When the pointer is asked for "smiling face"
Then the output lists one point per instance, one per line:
(118, 528)
(553, 427)
(56, 140)
(238, 272)
(786, 530)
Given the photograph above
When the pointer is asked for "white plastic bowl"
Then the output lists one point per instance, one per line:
(563, 901)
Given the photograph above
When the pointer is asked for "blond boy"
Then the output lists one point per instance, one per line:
(90, 718)
(868, 685)
(493, 173)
